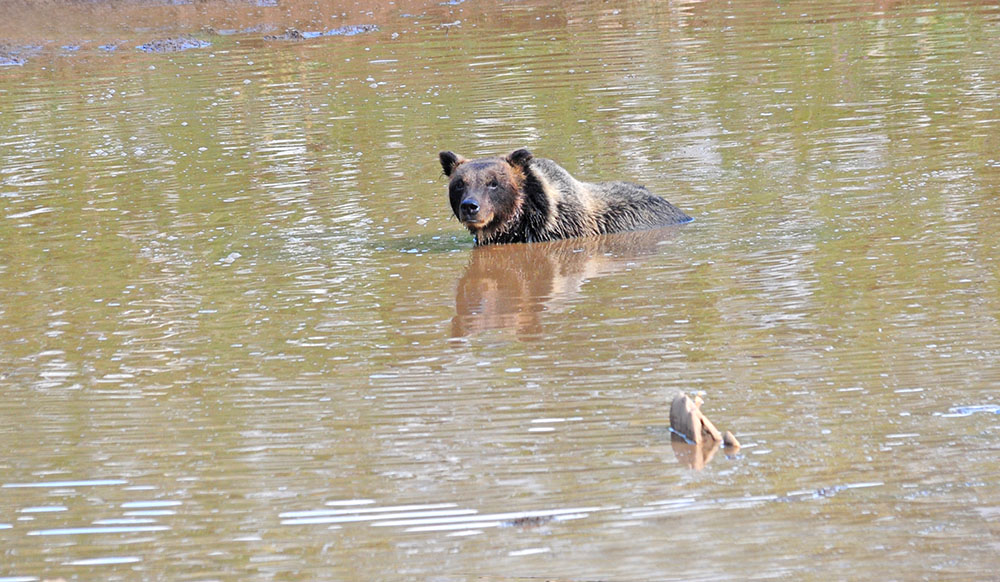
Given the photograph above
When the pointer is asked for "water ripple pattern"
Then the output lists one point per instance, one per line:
(242, 337)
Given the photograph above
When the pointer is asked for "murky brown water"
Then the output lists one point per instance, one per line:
(242, 338)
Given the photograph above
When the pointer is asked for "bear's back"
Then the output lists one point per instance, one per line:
(605, 207)
(632, 207)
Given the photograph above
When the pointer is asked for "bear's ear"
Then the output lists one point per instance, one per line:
(450, 161)
(520, 158)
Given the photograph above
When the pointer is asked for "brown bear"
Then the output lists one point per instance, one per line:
(521, 198)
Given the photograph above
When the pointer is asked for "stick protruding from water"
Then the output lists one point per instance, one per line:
(687, 420)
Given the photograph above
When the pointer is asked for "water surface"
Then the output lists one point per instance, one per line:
(242, 338)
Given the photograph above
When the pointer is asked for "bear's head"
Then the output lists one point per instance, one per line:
(486, 194)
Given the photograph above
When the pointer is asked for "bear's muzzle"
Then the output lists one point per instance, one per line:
(468, 211)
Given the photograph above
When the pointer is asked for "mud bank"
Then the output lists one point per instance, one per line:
(65, 27)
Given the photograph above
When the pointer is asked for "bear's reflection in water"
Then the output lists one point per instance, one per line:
(511, 286)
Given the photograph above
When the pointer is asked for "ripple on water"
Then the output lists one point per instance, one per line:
(98, 530)
(105, 561)
(958, 411)
(65, 484)
(431, 517)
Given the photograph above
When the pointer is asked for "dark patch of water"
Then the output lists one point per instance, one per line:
(172, 45)
(295, 34)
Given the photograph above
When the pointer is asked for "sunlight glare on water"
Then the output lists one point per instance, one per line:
(244, 338)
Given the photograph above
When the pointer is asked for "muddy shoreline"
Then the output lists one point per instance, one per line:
(52, 28)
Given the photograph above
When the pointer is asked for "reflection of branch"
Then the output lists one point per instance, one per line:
(694, 456)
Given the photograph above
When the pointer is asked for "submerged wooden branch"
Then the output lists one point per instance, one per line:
(687, 420)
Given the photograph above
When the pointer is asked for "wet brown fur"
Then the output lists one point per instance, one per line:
(522, 198)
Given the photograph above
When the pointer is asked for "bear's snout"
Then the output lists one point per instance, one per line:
(469, 210)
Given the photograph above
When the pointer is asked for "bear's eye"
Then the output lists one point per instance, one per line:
(458, 186)
(493, 185)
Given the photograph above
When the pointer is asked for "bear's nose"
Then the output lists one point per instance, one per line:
(469, 207)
